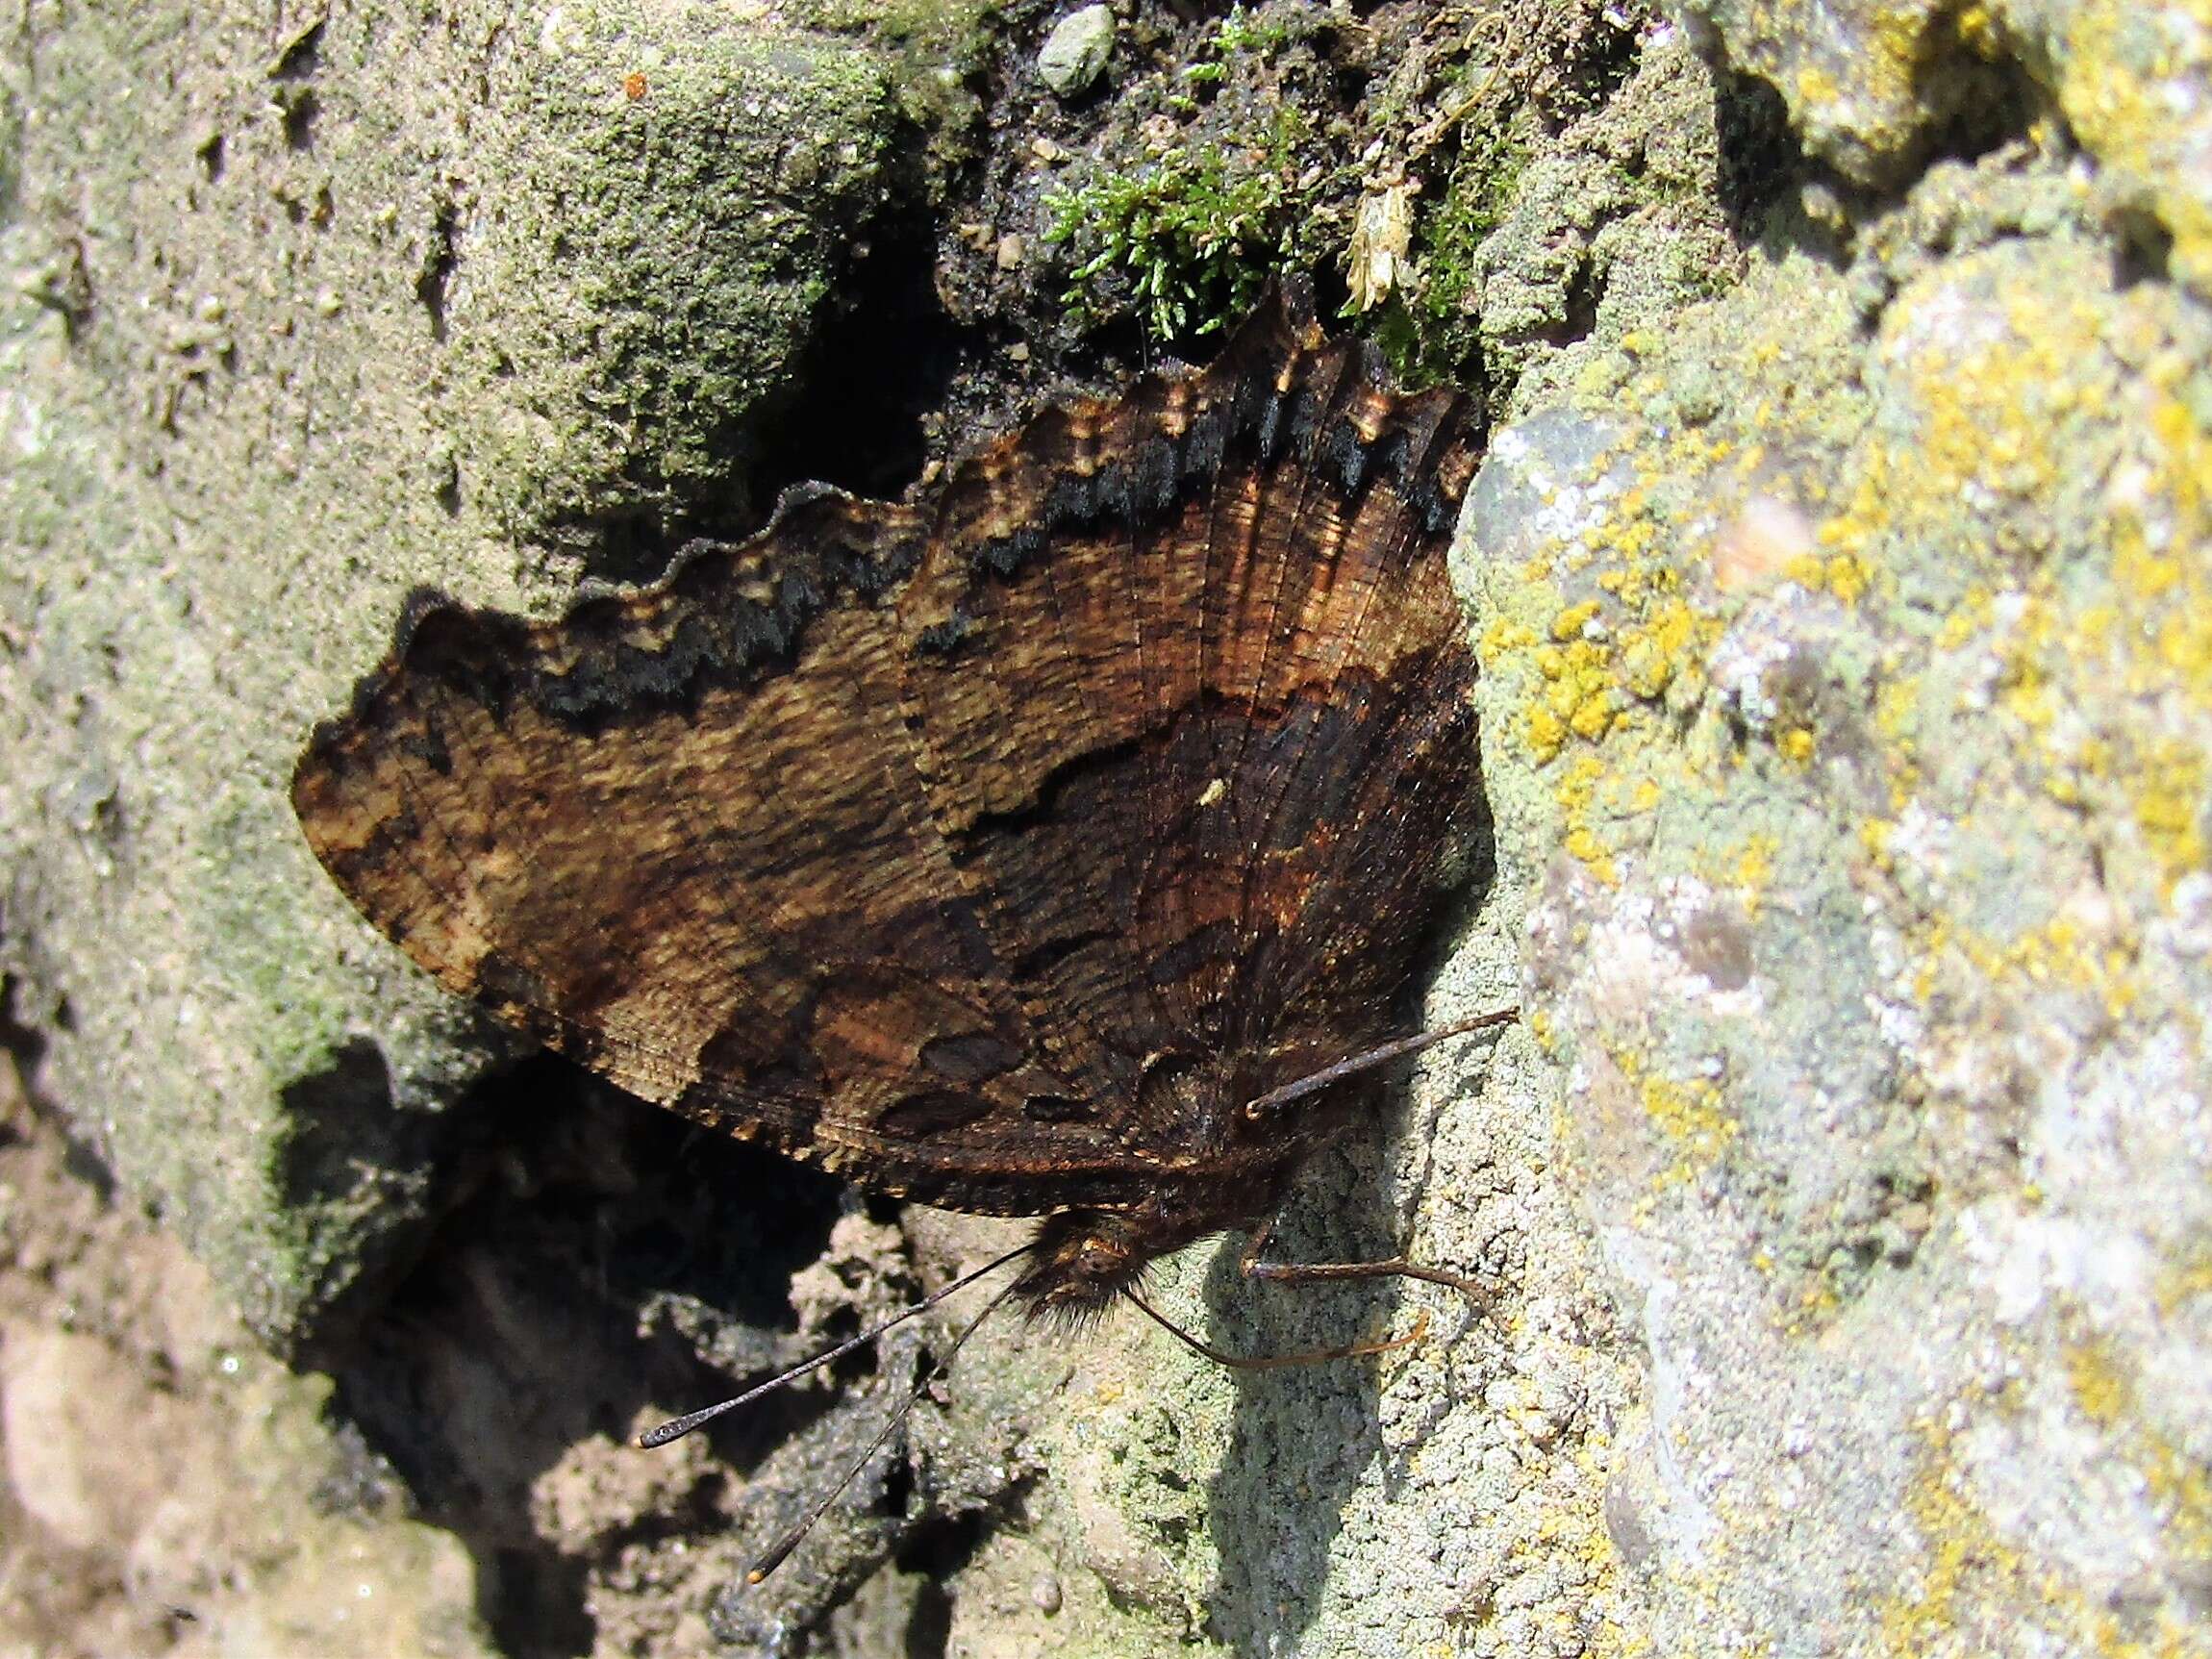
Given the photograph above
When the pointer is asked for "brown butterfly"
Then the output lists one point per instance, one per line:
(1040, 846)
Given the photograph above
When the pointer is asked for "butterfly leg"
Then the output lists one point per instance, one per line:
(1293, 1272)
(1248, 1263)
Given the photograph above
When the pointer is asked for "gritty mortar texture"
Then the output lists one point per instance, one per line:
(166, 1487)
(299, 317)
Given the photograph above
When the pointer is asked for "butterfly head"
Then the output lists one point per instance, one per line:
(1084, 1259)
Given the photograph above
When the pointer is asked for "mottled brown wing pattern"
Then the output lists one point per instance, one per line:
(984, 848)
(675, 835)
(1197, 643)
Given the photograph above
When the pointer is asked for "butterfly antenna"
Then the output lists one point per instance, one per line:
(783, 1546)
(682, 1426)
(1276, 1098)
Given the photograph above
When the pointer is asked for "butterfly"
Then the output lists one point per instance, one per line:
(1041, 844)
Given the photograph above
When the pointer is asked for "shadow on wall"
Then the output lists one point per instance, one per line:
(529, 1326)
(1301, 1438)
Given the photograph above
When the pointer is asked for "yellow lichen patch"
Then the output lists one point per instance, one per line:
(1847, 576)
(1843, 574)
(1504, 637)
(1577, 797)
(1988, 403)
(2183, 646)
(1970, 1576)
(1978, 31)
(1752, 870)
(1796, 743)
(1570, 622)
(1657, 648)
(2168, 788)
(1579, 690)
(2185, 472)
(1544, 731)
(2101, 1387)
(1965, 1568)
(2059, 953)
(2123, 105)
(1584, 844)
(1690, 1114)
(1968, 617)
(1538, 1023)
(1935, 940)
(2182, 1282)
(2145, 573)
(1874, 841)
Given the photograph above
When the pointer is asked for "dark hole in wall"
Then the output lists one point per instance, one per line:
(302, 57)
(437, 263)
(326, 1110)
(878, 361)
(24, 1040)
(1979, 105)
(525, 1324)
(300, 109)
(20, 1038)
(2145, 252)
(537, 1607)
(1614, 48)
(1760, 160)
(938, 1549)
(1578, 302)
(876, 366)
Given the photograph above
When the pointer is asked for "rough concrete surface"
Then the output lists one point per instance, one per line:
(312, 307)
(1840, 569)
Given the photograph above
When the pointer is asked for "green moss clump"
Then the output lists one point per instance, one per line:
(1188, 241)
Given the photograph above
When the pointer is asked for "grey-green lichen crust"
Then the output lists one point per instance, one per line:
(1848, 642)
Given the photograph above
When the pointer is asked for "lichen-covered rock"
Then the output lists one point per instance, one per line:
(1845, 726)
(649, 221)
(301, 322)
(1874, 86)
(1847, 644)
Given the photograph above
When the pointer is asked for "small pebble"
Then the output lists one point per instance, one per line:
(1075, 54)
